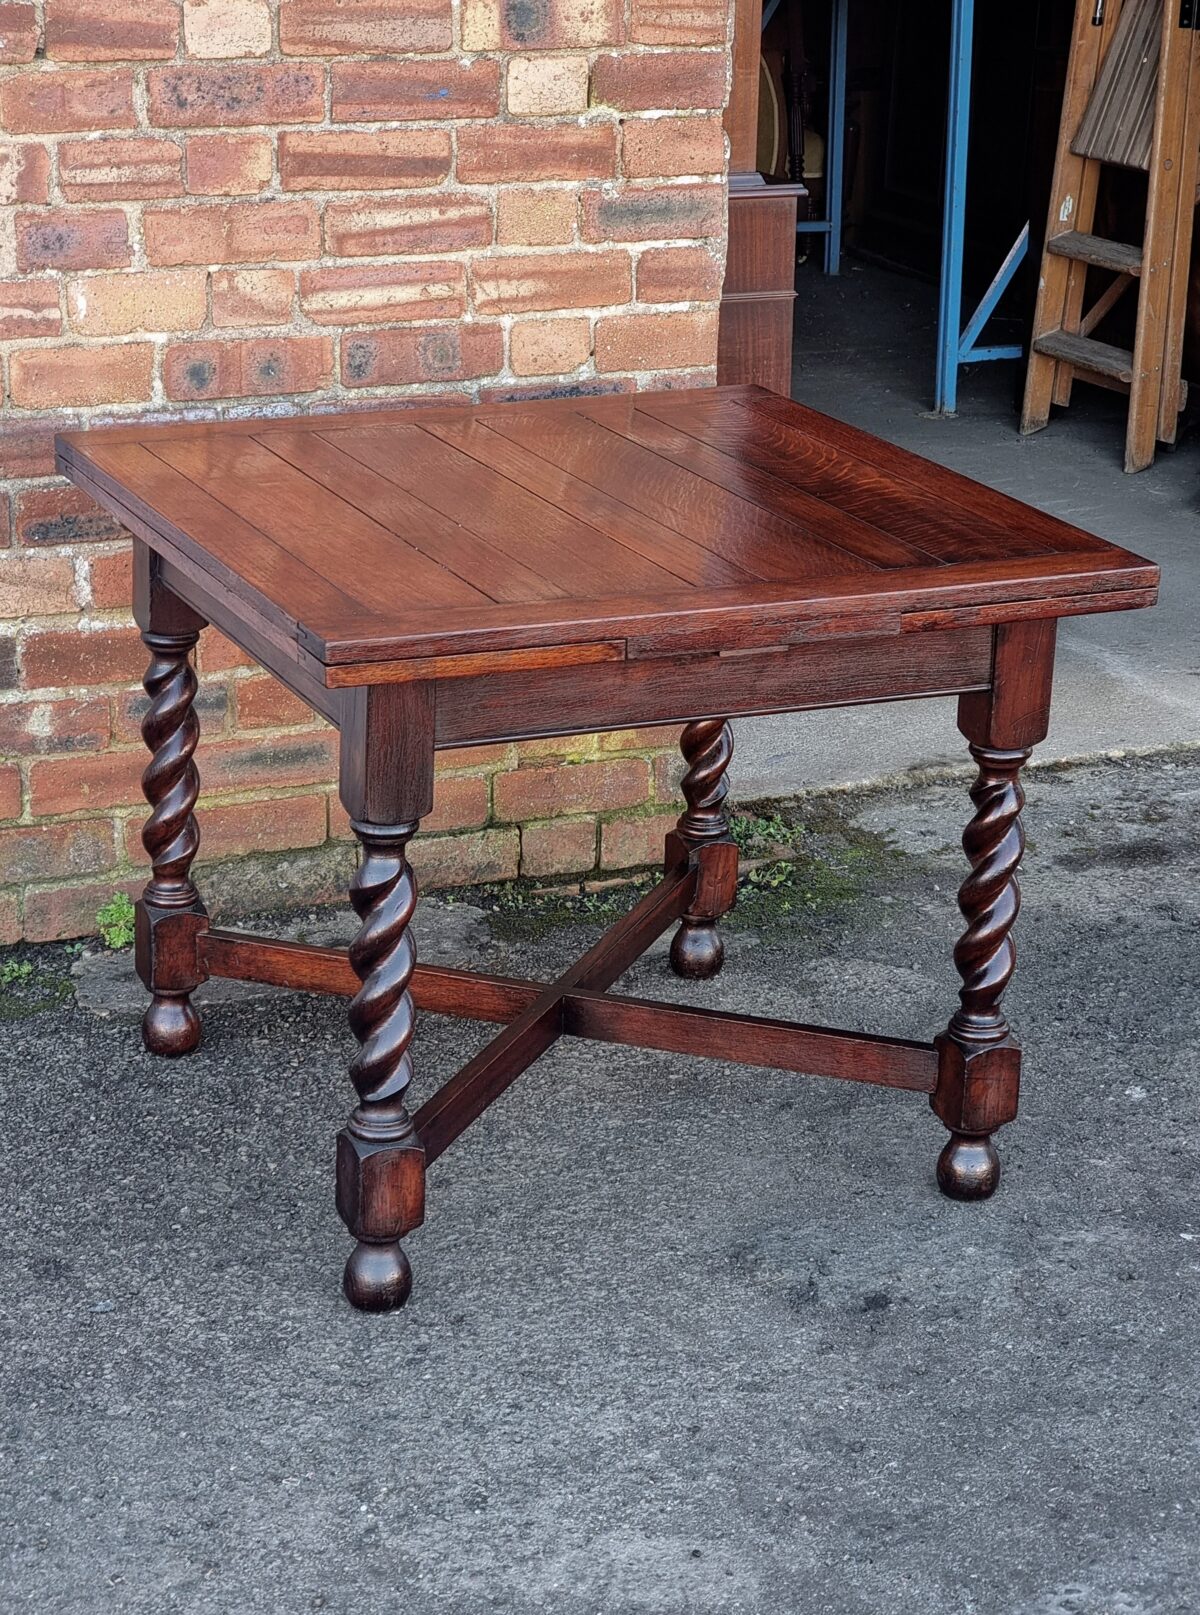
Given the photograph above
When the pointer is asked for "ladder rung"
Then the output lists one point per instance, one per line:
(1085, 354)
(1114, 255)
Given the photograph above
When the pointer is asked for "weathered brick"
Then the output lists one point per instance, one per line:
(216, 654)
(36, 585)
(24, 172)
(387, 92)
(65, 238)
(653, 212)
(228, 165)
(110, 579)
(264, 703)
(231, 829)
(18, 32)
(633, 843)
(659, 148)
(670, 81)
(256, 367)
(664, 22)
(347, 27)
(458, 759)
(465, 860)
(526, 284)
(558, 847)
(113, 778)
(52, 101)
(459, 803)
(356, 162)
(119, 169)
(252, 296)
(536, 215)
(536, 793)
(51, 378)
(29, 308)
(447, 222)
(44, 851)
(232, 233)
(540, 86)
(11, 925)
(648, 739)
(226, 97)
(129, 708)
(678, 275)
(458, 352)
(400, 291)
(549, 347)
(227, 27)
(9, 671)
(54, 913)
(505, 392)
(490, 152)
(140, 300)
(111, 30)
(10, 791)
(40, 728)
(62, 659)
(656, 341)
(62, 515)
(546, 25)
(27, 448)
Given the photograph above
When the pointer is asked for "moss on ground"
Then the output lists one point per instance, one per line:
(34, 980)
(805, 861)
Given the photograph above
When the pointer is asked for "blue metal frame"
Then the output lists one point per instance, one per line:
(957, 346)
(835, 136)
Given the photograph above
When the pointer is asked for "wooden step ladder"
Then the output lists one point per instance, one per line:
(1132, 99)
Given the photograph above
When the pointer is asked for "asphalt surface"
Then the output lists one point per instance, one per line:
(685, 1337)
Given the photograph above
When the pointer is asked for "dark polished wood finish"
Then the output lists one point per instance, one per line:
(466, 574)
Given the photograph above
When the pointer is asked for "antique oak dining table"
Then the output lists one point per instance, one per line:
(459, 575)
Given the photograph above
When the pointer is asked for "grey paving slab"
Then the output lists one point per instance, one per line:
(1129, 681)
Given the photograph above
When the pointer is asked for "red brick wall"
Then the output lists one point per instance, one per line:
(227, 205)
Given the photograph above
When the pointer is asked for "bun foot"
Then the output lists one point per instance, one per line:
(170, 1026)
(968, 1168)
(697, 951)
(378, 1278)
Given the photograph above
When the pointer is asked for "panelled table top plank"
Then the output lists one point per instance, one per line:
(622, 526)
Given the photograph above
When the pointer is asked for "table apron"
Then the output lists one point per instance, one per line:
(618, 695)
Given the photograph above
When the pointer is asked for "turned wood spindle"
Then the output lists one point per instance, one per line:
(170, 835)
(985, 955)
(383, 893)
(697, 950)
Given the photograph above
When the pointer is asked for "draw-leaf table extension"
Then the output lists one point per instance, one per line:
(462, 575)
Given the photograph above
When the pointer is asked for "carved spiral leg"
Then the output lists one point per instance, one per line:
(381, 1165)
(170, 912)
(979, 1062)
(707, 745)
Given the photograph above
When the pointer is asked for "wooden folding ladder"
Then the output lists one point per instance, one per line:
(1132, 99)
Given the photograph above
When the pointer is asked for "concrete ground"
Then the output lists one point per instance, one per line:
(686, 1337)
(1129, 681)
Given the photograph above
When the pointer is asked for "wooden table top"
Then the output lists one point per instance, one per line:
(584, 529)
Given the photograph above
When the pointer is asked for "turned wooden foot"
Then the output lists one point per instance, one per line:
(380, 1161)
(968, 1168)
(170, 915)
(378, 1278)
(697, 951)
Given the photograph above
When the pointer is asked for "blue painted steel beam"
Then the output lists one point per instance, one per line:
(957, 346)
(835, 138)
